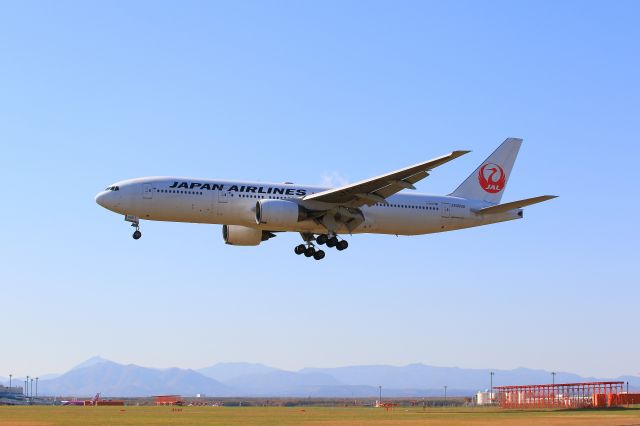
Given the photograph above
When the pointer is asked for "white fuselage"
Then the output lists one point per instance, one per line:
(178, 199)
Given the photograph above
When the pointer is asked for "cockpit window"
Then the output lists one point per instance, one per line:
(112, 188)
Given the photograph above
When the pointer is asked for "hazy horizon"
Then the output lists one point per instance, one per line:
(248, 379)
(93, 93)
(197, 368)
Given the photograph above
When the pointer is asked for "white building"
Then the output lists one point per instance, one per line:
(485, 398)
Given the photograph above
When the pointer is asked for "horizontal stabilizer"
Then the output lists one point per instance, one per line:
(501, 208)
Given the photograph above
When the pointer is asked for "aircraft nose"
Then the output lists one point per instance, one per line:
(109, 199)
(101, 199)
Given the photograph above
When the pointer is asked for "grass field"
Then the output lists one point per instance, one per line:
(47, 415)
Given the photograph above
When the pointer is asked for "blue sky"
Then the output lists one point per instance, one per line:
(94, 93)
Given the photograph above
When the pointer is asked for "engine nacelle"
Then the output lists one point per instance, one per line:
(237, 235)
(278, 213)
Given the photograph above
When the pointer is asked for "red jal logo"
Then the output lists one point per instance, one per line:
(491, 178)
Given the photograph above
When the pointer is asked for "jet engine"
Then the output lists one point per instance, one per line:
(237, 235)
(279, 213)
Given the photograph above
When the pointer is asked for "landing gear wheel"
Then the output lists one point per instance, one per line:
(342, 245)
(318, 255)
(137, 234)
(322, 239)
(332, 242)
(300, 249)
(309, 251)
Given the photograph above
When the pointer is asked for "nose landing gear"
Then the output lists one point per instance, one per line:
(135, 222)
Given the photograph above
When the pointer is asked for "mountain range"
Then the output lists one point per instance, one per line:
(245, 379)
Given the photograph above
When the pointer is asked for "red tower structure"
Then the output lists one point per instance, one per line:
(563, 395)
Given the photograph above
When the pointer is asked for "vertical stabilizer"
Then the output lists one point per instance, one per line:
(488, 181)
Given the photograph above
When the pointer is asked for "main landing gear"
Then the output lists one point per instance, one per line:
(309, 250)
(332, 241)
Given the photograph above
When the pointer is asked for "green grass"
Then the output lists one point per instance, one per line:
(48, 415)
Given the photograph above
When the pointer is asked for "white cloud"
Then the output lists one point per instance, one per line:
(333, 179)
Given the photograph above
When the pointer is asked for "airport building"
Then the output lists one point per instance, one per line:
(12, 395)
(168, 400)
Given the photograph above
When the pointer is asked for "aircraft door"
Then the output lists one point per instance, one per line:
(445, 210)
(147, 191)
(223, 202)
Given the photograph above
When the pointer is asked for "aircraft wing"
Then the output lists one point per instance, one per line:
(377, 189)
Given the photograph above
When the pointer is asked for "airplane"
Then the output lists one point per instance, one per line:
(253, 212)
